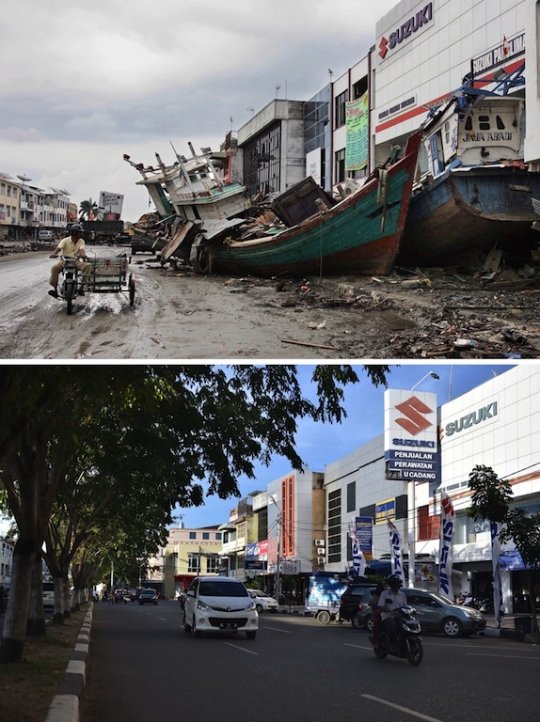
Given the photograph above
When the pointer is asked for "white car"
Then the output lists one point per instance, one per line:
(219, 604)
(263, 601)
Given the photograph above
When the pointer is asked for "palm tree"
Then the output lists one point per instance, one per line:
(88, 209)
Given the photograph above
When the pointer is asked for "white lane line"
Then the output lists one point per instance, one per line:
(247, 651)
(402, 709)
(497, 656)
(276, 629)
(357, 646)
(162, 619)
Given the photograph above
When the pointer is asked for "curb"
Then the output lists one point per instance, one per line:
(65, 704)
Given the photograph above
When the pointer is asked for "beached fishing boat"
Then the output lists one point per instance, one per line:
(361, 234)
(474, 192)
(188, 195)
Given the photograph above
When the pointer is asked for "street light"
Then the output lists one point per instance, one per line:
(433, 376)
(411, 503)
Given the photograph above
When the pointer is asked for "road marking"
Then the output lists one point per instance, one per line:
(508, 656)
(276, 629)
(162, 619)
(357, 646)
(402, 709)
(247, 651)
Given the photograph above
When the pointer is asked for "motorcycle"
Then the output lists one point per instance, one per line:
(70, 284)
(409, 644)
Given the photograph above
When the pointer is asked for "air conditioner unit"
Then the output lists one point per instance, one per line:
(321, 560)
(319, 543)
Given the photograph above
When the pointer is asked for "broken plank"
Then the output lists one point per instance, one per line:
(311, 345)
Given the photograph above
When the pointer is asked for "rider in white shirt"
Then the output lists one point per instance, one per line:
(390, 600)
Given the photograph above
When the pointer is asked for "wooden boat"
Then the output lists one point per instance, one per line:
(359, 235)
(474, 192)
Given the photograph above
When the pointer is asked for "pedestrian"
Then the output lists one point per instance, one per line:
(376, 612)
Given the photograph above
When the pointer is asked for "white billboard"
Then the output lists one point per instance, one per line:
(111, 203)
(411, 435)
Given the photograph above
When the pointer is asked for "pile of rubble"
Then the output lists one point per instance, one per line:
(12, 247)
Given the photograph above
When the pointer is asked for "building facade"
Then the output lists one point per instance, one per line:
(497, 424)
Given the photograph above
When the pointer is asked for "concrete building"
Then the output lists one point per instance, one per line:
(271, 145)
(188, 552)
(497, 425)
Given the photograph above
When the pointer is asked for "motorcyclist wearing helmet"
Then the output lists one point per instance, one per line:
(390, 600)
(70, 247)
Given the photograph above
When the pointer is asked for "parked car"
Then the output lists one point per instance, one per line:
(263, 601)
(439, 614)
(148, 596)
(141, 245)
(45, 236)
(354, 603)
(219, 604)
(48, 595)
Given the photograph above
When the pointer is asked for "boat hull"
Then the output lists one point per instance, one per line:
(469, 212)
(361, 235)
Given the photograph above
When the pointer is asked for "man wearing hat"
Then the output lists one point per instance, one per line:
(70, 247)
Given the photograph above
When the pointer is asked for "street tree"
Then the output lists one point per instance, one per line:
(161, 432)
(492, 500)
(88, 209)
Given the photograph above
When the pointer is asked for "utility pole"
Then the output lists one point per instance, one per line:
(278, 557)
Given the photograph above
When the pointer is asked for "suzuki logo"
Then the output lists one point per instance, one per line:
(383, 48)
(415, 421)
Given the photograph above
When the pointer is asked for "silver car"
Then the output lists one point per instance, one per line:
(439, 614)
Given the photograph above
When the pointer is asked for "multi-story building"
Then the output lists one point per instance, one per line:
(421, 53)
(188, 552)
(26, 209)
(9, 205)
(6, 561)
(496, 425)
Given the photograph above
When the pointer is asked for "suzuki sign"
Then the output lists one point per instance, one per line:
(410, 436)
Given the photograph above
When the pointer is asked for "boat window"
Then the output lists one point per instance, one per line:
(484, 122)
(447, 132)
(468, 123)
(500, 123)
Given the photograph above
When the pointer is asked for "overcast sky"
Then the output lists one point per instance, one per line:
(82, 83)
(321, 444)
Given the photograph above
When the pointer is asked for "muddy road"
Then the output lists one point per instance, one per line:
(180, 315)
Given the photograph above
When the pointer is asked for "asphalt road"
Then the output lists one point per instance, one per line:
(142, 666)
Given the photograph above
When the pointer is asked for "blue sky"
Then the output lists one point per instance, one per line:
(320, 444)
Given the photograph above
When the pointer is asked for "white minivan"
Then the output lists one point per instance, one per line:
(45, 236)
(219, 604)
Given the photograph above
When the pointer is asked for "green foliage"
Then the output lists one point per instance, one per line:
(490, 495)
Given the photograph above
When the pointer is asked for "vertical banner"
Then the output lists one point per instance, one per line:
(357, 133)
(495, 561)
(395, 551)
(359, 560)
(446, 551)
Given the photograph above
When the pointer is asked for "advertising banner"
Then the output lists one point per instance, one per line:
(364, 532)
(357, 130)
(446, 554)
(358, 559)
(410, 436)
(395, 551)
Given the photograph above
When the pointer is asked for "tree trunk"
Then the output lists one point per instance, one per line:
(12, 645)
(35, 625)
